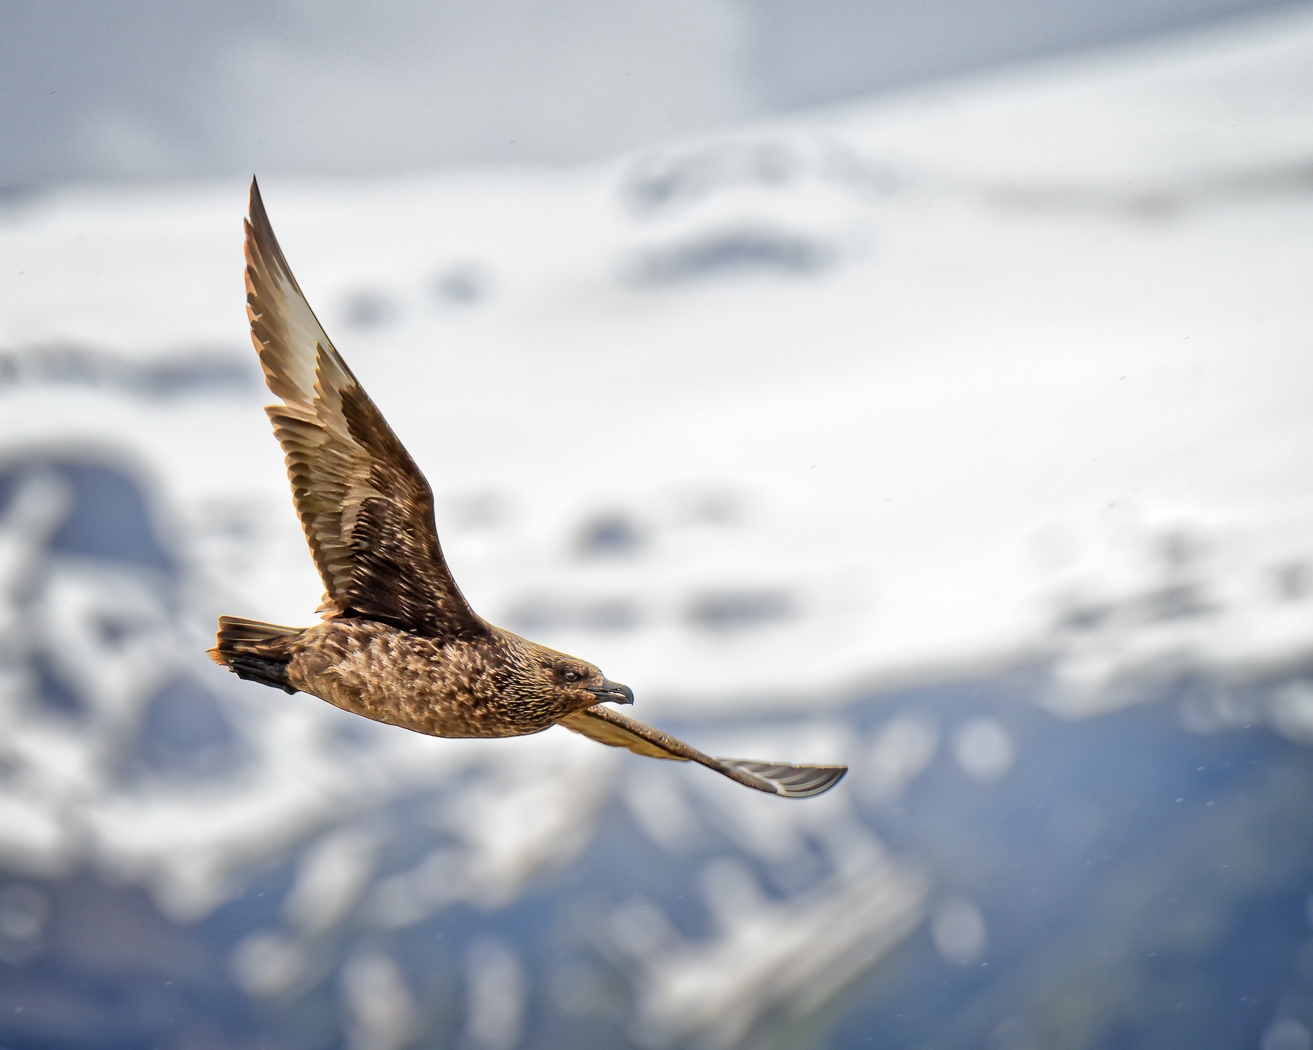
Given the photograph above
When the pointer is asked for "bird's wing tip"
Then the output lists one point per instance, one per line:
(257, 224)
(787, 780)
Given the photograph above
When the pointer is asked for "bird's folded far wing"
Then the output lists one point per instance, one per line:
(617, 730)
(366, 509)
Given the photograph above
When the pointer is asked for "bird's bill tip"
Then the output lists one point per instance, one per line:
(612, 692)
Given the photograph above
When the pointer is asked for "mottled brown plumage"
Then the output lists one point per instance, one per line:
(398, 643)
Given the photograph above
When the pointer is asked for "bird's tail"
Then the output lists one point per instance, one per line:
(256, 651)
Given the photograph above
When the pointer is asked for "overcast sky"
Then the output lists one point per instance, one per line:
(155, 88)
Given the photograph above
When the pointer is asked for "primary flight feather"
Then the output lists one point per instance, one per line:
(397, 641)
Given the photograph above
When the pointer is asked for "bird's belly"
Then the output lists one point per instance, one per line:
(405, 680)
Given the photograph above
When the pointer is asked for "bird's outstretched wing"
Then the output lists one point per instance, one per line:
(617, 730)
(366, 509)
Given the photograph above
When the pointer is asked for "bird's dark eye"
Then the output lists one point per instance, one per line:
(571, 676)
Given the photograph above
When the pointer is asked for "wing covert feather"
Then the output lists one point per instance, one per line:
(616, 730)
(366, 509)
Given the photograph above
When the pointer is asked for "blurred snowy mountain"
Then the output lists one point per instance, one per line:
(961, 437)
(158, 90)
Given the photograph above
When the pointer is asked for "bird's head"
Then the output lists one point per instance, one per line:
(565, 681)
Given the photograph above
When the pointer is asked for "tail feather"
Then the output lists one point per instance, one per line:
(254, 650)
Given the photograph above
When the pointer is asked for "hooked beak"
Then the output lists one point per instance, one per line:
(612, 692)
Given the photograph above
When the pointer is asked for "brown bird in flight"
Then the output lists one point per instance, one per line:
(397, 641)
